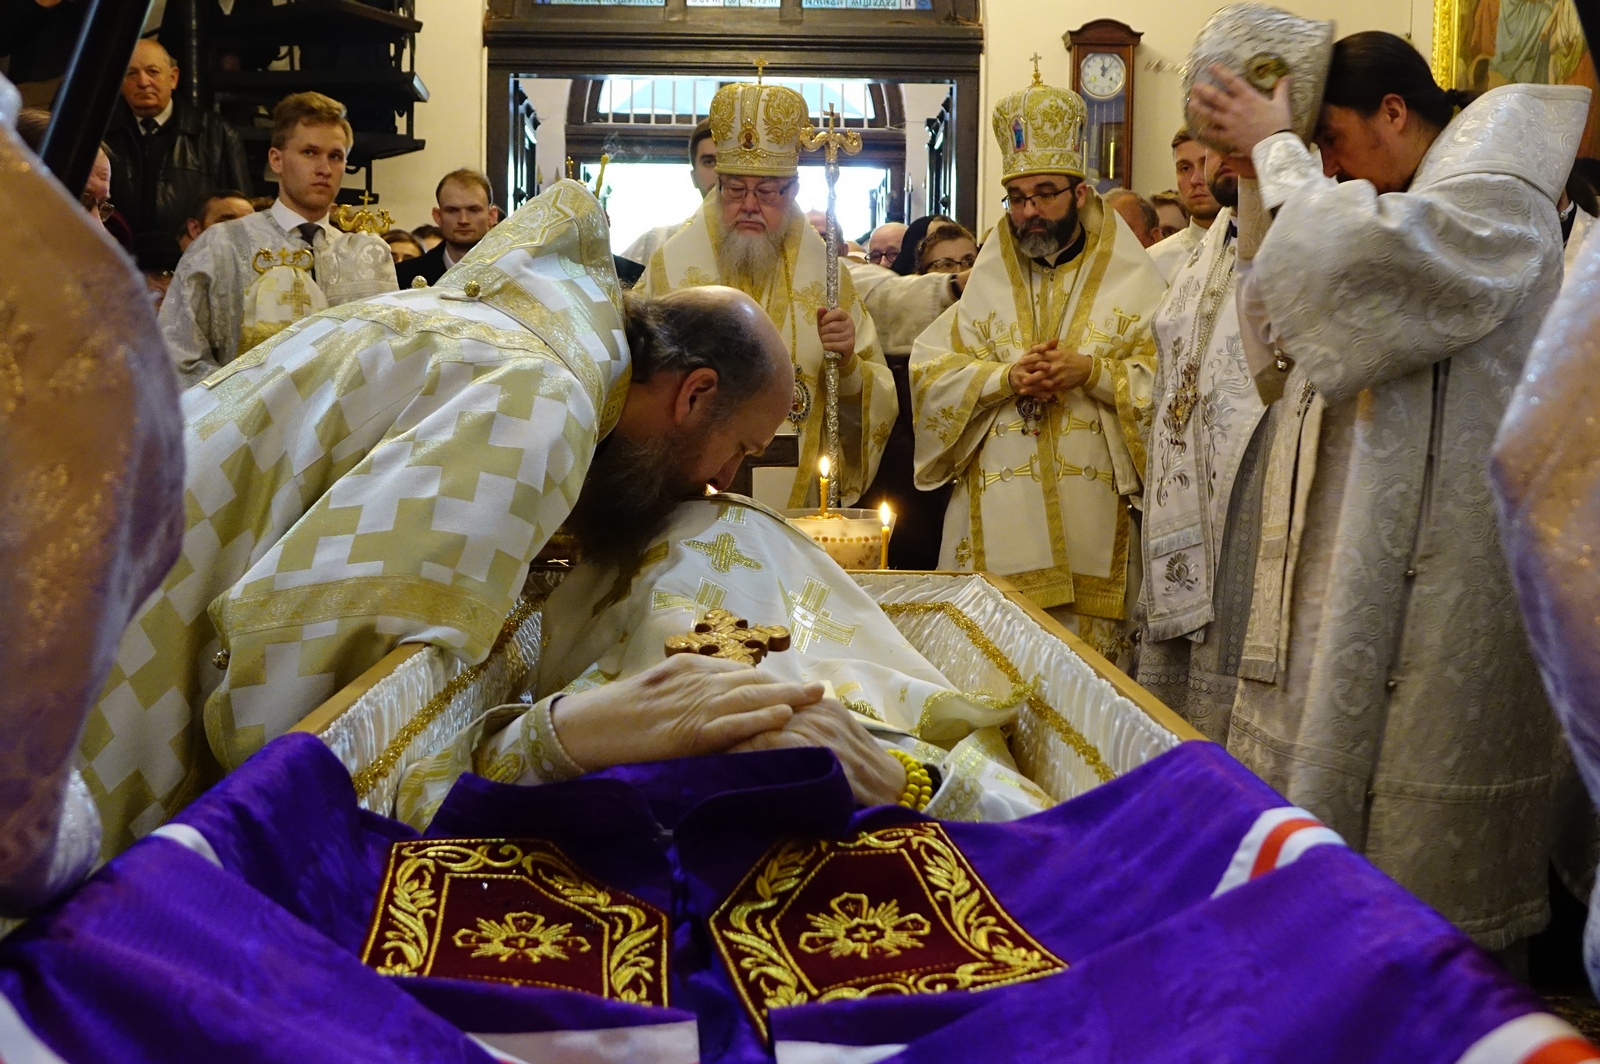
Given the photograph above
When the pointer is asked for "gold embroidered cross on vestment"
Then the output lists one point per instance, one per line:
(724, 553)
(810, 621)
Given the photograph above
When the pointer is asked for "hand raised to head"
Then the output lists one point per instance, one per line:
(1236, 113)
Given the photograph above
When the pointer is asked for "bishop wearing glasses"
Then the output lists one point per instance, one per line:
(1032, 394)
(751, 235)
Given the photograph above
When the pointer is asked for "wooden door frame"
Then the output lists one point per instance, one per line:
(524, 38)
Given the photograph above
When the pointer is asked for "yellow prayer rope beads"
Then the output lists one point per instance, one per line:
(919, 785)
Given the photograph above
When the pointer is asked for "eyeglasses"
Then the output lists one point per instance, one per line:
(950, 265)
(104, 208)
(1040, 200)
(880, 256)
(766, 195)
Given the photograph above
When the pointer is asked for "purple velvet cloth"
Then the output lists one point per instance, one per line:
(165, 956)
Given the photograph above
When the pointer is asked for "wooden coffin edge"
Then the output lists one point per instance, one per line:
(320, 719)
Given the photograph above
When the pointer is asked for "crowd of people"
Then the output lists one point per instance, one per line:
(1235, 435)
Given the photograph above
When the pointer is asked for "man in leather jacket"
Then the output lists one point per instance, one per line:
(167, 153)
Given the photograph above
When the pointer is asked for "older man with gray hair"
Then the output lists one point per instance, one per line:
(752, 236)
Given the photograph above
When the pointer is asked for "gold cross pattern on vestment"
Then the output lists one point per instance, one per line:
(811, 621)
(722, 635)
(724, 553)
(708, 597)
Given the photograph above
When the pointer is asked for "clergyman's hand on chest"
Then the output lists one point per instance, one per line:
(1046, 371)
(876, 776)
(686, 706)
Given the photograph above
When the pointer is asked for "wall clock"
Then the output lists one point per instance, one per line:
(1102, 73)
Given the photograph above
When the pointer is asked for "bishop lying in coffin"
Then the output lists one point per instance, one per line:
(745, 906)
(858, 686)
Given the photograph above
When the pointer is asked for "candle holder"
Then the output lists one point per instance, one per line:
(852, 537)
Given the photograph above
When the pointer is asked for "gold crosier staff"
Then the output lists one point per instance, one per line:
(831, 138)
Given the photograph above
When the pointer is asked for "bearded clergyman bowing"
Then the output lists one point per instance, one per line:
(750, 235)
(1033, 393)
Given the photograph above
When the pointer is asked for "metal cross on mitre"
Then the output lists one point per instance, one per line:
(831, 139)
(722, 635)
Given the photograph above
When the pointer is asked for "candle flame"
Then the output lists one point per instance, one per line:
(885, 514)
(822, 465)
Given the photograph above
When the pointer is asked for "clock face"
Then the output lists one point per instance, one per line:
(1102, 75)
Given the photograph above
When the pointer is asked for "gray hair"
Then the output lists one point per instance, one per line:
(686, 335)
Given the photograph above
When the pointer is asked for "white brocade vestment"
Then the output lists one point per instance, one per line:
(380, 473)
(1202, 492)
(1171, 254)
(205, 303)
(1389, 686)
(901, 307)
(1049, 511)
(731, 553)
(867, 402)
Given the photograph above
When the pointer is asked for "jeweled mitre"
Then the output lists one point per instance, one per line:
(1040, 130)
(1262, 44)
(757, 129)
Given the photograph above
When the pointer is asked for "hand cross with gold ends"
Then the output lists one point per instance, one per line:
(722, 635)
(831, 138)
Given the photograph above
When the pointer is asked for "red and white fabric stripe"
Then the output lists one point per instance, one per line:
(1277, 838)
(1537, 1038)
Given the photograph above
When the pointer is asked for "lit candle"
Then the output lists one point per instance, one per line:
(822, 492)
(885, 517)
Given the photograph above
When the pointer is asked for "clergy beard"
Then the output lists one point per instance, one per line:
(1225, 189)
(1039, 238)
(749, 261)
(632, 488)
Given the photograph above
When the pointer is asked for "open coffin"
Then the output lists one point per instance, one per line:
(1086, 723)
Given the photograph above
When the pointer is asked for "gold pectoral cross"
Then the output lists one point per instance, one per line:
(722, 635)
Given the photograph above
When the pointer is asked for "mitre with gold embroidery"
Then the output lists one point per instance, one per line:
(1040, 131)
(757, 129)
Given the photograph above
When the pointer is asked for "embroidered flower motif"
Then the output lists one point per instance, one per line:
(857, 928)
(522, 936)
(1181, 574)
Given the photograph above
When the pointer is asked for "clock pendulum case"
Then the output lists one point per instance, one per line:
(1102, 73)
